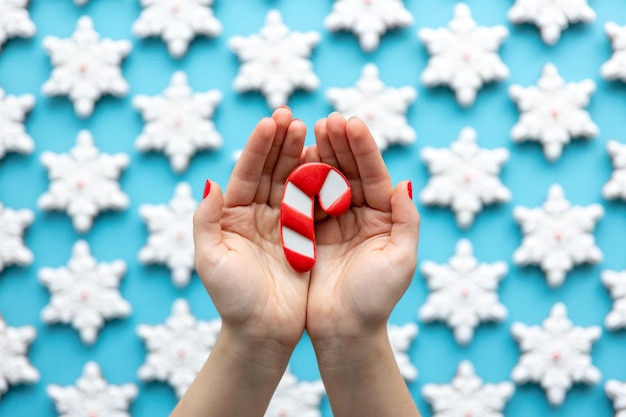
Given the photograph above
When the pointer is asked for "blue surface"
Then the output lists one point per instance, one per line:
(584, 167)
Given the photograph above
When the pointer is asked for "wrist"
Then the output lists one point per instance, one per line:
(353, 350)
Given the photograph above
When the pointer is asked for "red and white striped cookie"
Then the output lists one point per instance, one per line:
(297, 226)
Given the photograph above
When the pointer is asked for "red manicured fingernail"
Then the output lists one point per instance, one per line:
(207, 189)
(409, 188)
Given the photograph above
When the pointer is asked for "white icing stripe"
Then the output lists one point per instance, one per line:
(333, 188)
(298, 200)
(298, 243)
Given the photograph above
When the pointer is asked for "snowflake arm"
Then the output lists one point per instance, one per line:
(616, 187)
(15, 21)
(615, 67)
(296, 398)
(14, 366)
(401, 338)
(12, 226)
(13, 136)
(616, 391)
(616, 283)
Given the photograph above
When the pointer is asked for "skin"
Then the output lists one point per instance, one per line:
(342, 303)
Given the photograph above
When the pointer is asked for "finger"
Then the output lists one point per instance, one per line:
(336, 126)
(310, 154)
(246, 176)
(405, 228)
(207, 229)
(324, 149)
(374, 177)
(288, 159)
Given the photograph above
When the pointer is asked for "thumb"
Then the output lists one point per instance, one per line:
(207, 228)
(406, 223)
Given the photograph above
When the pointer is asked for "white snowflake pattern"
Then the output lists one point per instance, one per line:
(615, 67)
(557, 236)
(178, 348)
(15, 21)
(13, 136)
(556, 354)
(275, 61)
(616, 391)
(464, 55)
(552, 112)
(14, 366)
(616, 187)
(92, 395)
(85, 293)
(463, 292)
(467, 395)
(616, 283)
(84, 182)
(368, 19)
(382, 108)
(178, 22)
(178, 122)
(465, 177)
(296, 398)
(12, 226)
(401, 338)
(551, 17)
(80, 2)
(85, 67)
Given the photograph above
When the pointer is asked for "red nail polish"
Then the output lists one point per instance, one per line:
(409, 188)
(207, 189)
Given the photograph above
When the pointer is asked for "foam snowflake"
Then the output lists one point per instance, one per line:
(556, 354)
(171, 234)
(177, 22)
(553, 112)
(464, 55)
(12, 226)
(178, 122)
(615, 67)
(80, 2)
(617, 392)
(616, 283)
(13, 136)
(368, 19)
(467, 395)
(557, 236)
(552, 17)
(15, 21)
(85, 67)
(178, 348)
(401, 338)
(464, 177)
(296, 398)
(382, 108)
(85, 293)
(616, 186)
(84, 182)
(275, 61)
(14, 366)
(463, 292)
(92, 395)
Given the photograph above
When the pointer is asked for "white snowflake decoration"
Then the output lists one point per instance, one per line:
(557, 236)
(556, 354)
(297, 399)
(80, 2)
(368, 19)
(401, 338)
(551, 17)
(171, 234)
(382, 108)
(12, 226)
(14, 366)
(616, 187)
(465, 177)
(177, 22)
(275, 61)
(616, 283)
(92, 396)
(468, 396)
(85, 293)
(84, 182)
(463, 292)
(615, 67)
(13, 136)
(15, 21)
(616, 391)
(178, 122)
(464, 55)
(85, 67)
(178, 348)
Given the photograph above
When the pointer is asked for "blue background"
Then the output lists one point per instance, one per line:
(583, 168)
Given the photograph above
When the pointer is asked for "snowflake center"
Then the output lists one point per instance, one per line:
(467, 178)
(466, 56)
(556, 356)
(275, 60)
(178, 121)
(368, 2)
(465, 293)
(181, 353)
(554, 113)
(468, 413)
(370, 115)
(180, 235)
(175, 8)
(80, 184)
(83, 68)
(558, 235)
(283, 413)
(84, 295)
(93, 414)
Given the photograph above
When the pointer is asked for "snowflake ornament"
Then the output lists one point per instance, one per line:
(463, 292)
(80, 2)
(557, 236)
(84, 182)
(368, 19)
(12, 226)
(171, 234)
(85, 293)
(14, 366)
(85, 67)
(92, 396)
(465, 177)
(401, 338)
(551, 17)
(178, 348)
(616, 283)
(615, 67)
(178, 22)
(467, 395)
(15, 21)
(179, 122)
(382, 108)
(616, 391)
(556, 354)
(616, 187)
(294, 398)
(552, 112)
(13, 136)
(275, 61)
(464, 55)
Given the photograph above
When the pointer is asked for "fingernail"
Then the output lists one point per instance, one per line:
(284, 107)
(207, 189)
(409, 188)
